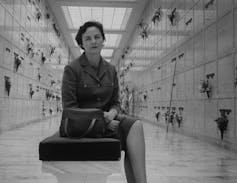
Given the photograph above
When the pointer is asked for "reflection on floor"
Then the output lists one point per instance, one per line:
(171, 158)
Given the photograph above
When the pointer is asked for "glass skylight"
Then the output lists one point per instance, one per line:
(114, 20)
(107, 52)
(110, 17)
(68, 16)
(112, 40)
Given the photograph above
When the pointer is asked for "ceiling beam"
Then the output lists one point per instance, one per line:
(132, 21)
(96, 3)
(61, 22)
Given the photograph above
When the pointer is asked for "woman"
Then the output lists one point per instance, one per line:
(91, 82)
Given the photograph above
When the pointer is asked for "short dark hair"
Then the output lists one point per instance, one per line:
(83, 29)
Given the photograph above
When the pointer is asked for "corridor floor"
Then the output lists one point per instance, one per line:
(170, 158)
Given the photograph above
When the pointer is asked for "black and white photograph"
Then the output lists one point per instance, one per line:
(118, 91)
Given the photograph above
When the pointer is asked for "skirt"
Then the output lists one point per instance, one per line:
(123, 129)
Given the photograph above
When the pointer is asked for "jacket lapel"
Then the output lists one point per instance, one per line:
(102, 69)
(87, 67)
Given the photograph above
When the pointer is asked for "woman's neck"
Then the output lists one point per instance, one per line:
(93, 59)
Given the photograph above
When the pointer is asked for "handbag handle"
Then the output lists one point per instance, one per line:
(73, 113)
(92, 123)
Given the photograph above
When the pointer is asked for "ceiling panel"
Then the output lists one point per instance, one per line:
(111, 17)
(112, 40)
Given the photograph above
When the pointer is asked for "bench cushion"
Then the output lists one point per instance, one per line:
(56, 148)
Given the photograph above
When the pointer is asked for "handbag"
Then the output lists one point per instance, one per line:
(78, 123)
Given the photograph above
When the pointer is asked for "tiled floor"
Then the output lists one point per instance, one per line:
(171, 158)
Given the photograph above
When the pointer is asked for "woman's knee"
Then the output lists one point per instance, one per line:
(138, 126)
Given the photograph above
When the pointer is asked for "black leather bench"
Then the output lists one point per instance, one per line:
(56, 148)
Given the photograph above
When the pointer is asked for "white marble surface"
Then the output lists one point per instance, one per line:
(170, 158)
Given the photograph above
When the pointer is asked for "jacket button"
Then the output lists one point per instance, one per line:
(99, 85)
(98, 99)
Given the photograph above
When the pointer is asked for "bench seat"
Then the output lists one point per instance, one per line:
(56, 148)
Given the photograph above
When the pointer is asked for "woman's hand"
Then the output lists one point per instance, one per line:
(109, 116)
(113, 125)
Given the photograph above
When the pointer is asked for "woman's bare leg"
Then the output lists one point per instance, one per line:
(128, 170)
(136, 154)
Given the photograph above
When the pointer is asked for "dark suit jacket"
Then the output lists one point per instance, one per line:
(82, 87)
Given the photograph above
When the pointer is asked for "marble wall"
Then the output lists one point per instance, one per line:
(31, 47)
(200, 46)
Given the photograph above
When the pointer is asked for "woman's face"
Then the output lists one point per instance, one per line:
(92, 40)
